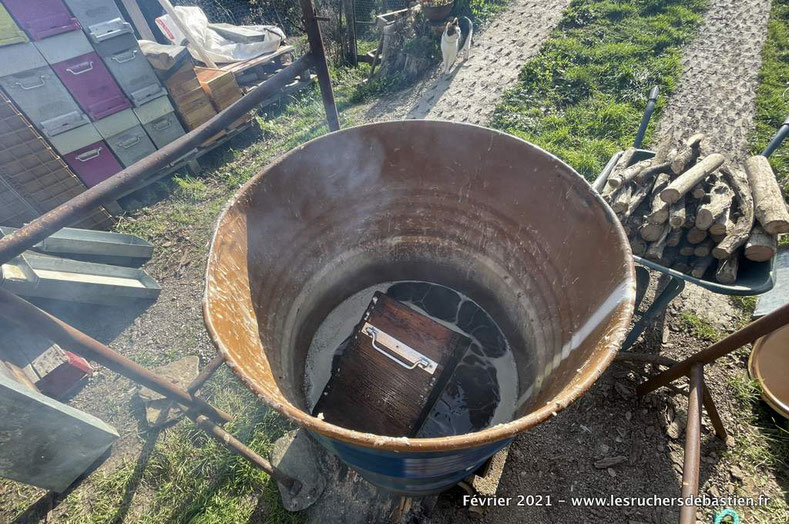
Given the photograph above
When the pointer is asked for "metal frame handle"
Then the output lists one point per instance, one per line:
(131, 142)
(131, 56)
(28, 87)
(415, 358)
(89, 155)
(777, 138)
(74, 71)
(162, 124)
(642, 129)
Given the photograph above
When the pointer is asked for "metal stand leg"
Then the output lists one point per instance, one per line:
(661, 302)
(642, 283)
(690, 468)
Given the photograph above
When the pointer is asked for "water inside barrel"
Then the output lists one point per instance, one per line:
(484, 387)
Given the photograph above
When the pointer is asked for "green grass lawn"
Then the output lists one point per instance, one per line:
(583, 96)
(772, 95)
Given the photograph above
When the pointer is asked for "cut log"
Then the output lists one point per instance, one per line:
(681, 264)
(674, 238)
(621, 199)
(686, 249)
(658, 213)
(621, 165)
(720, 201)
(700, 266)
(768, 203)
(698, 192)
(722, 223)
(727, 269)
(761, 245)
(717, 239)
(652, 232)
(688, 155)
(632, 224)
(676, 214)
(639, 194)
(696, 235)
(737, 235)
(703, 249)
(652, 171)
(627, 175)
(638, 246)
(656, 248)
(685, 182)
(694, 141)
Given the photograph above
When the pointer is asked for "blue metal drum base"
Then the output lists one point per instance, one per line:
(415, 473)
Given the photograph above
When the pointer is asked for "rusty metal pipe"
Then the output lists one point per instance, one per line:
(129, 178)
(690, 468)
(746, 335)
(236, 446)
(23, 313)
(205, 374)
(709, 403)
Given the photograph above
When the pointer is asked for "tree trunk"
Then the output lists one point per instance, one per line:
(674, 238)
(688, 155)
(720, 201)
(738, 234)
(621, 165)
(701, 265)
(696, 235)
(628, 174)
(652, 232)
(722, 223)
(685, 182)
(677, 213)
(761, 245)
(769, 206)
(727, 269)
(703, 249)
(659, 209)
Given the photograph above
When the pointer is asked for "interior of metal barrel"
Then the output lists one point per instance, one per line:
(480, 212)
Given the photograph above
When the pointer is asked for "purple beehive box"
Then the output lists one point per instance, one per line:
(93, 164)
(42, 18)
(92, 86)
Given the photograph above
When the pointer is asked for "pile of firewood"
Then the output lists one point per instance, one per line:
(697, 213)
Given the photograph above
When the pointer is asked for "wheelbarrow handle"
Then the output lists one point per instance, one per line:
(777, 138)
(642, 129)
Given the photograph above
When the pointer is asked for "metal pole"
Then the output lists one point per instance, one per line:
(321, 67)
(205, 374)
(756, 329)
(168, 7)
(778, 137)
(130, 178)
(709, 403)
(23, 313)
(690, 468)
(237, 447)
(642, 129)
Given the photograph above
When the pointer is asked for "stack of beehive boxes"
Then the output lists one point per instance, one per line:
(85, 84)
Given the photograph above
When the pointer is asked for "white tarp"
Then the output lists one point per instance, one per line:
(219, 49)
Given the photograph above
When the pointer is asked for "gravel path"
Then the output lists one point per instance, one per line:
(473, 88)
(720, 72)
(716, 95)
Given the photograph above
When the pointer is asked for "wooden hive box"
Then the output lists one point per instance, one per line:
(396, 366)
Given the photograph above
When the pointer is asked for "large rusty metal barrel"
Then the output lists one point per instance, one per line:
(466, 207)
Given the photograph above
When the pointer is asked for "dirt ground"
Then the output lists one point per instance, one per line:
(557, 458)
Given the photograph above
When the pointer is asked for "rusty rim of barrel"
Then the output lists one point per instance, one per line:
(586, 377)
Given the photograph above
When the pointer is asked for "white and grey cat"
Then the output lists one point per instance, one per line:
(454, 42)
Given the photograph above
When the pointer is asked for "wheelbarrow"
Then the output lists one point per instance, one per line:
(754, 278)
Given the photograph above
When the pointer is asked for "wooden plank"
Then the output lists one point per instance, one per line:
(370, 392)
(239, 67)
(138, 19)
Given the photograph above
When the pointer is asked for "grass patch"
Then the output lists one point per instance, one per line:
(699, 327)
(762, 444)
(745, 304)
(583, 96)
(772, 97)
(189, 477)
